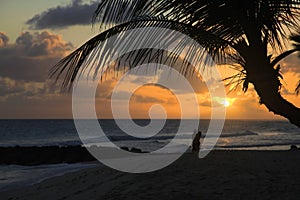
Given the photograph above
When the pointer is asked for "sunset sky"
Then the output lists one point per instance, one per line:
(36, 34)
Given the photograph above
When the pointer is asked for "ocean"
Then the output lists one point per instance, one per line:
(237, 135)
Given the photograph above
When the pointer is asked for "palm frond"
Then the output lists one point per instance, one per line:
(282, 56)
(115, 12)
(297, 90)
(296, 43)
(234, 18)
(295, 38)
(235, 21)
(220, 26)
(237, 79)
(77, 61)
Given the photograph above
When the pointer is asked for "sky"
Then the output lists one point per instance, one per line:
(36, 34)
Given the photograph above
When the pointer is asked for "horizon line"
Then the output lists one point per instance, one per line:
(244, 119)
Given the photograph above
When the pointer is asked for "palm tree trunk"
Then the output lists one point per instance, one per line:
(277, 104)
(267, 85)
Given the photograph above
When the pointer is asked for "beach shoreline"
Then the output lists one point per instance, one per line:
(223, 174)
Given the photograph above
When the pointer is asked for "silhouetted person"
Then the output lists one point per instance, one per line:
(196, 142)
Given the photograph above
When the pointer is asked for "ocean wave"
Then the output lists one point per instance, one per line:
(258, 145)
(239, 134)
(228, 135)
(38, 144)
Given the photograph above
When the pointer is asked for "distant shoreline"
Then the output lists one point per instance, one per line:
(30, 156)
(277, 120)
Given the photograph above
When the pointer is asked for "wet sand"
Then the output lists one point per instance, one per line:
(220, 175)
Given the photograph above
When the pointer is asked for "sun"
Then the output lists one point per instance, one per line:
(226, 103)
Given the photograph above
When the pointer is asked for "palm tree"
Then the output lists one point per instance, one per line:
(248, 29)
(296, 43)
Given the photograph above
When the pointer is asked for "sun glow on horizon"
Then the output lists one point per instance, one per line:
(226, 103)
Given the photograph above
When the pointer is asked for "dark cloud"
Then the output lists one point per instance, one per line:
(28, 104)
(206, 104)
(10, 88)
(24, 66)
(147, 99)
(76, 13)
(32, 55)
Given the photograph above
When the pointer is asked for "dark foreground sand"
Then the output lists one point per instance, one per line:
(221, 175)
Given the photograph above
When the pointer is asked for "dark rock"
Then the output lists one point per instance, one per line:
(294, 147)
(135, 150)
(44, 155)
(125, 148)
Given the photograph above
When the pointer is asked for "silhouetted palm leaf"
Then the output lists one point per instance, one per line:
(77, 61)
(295, 38)
(228, 19)
(296, 43)
(220, 26)
(297, 90)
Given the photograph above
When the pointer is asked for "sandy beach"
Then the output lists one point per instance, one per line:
(221, 175)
